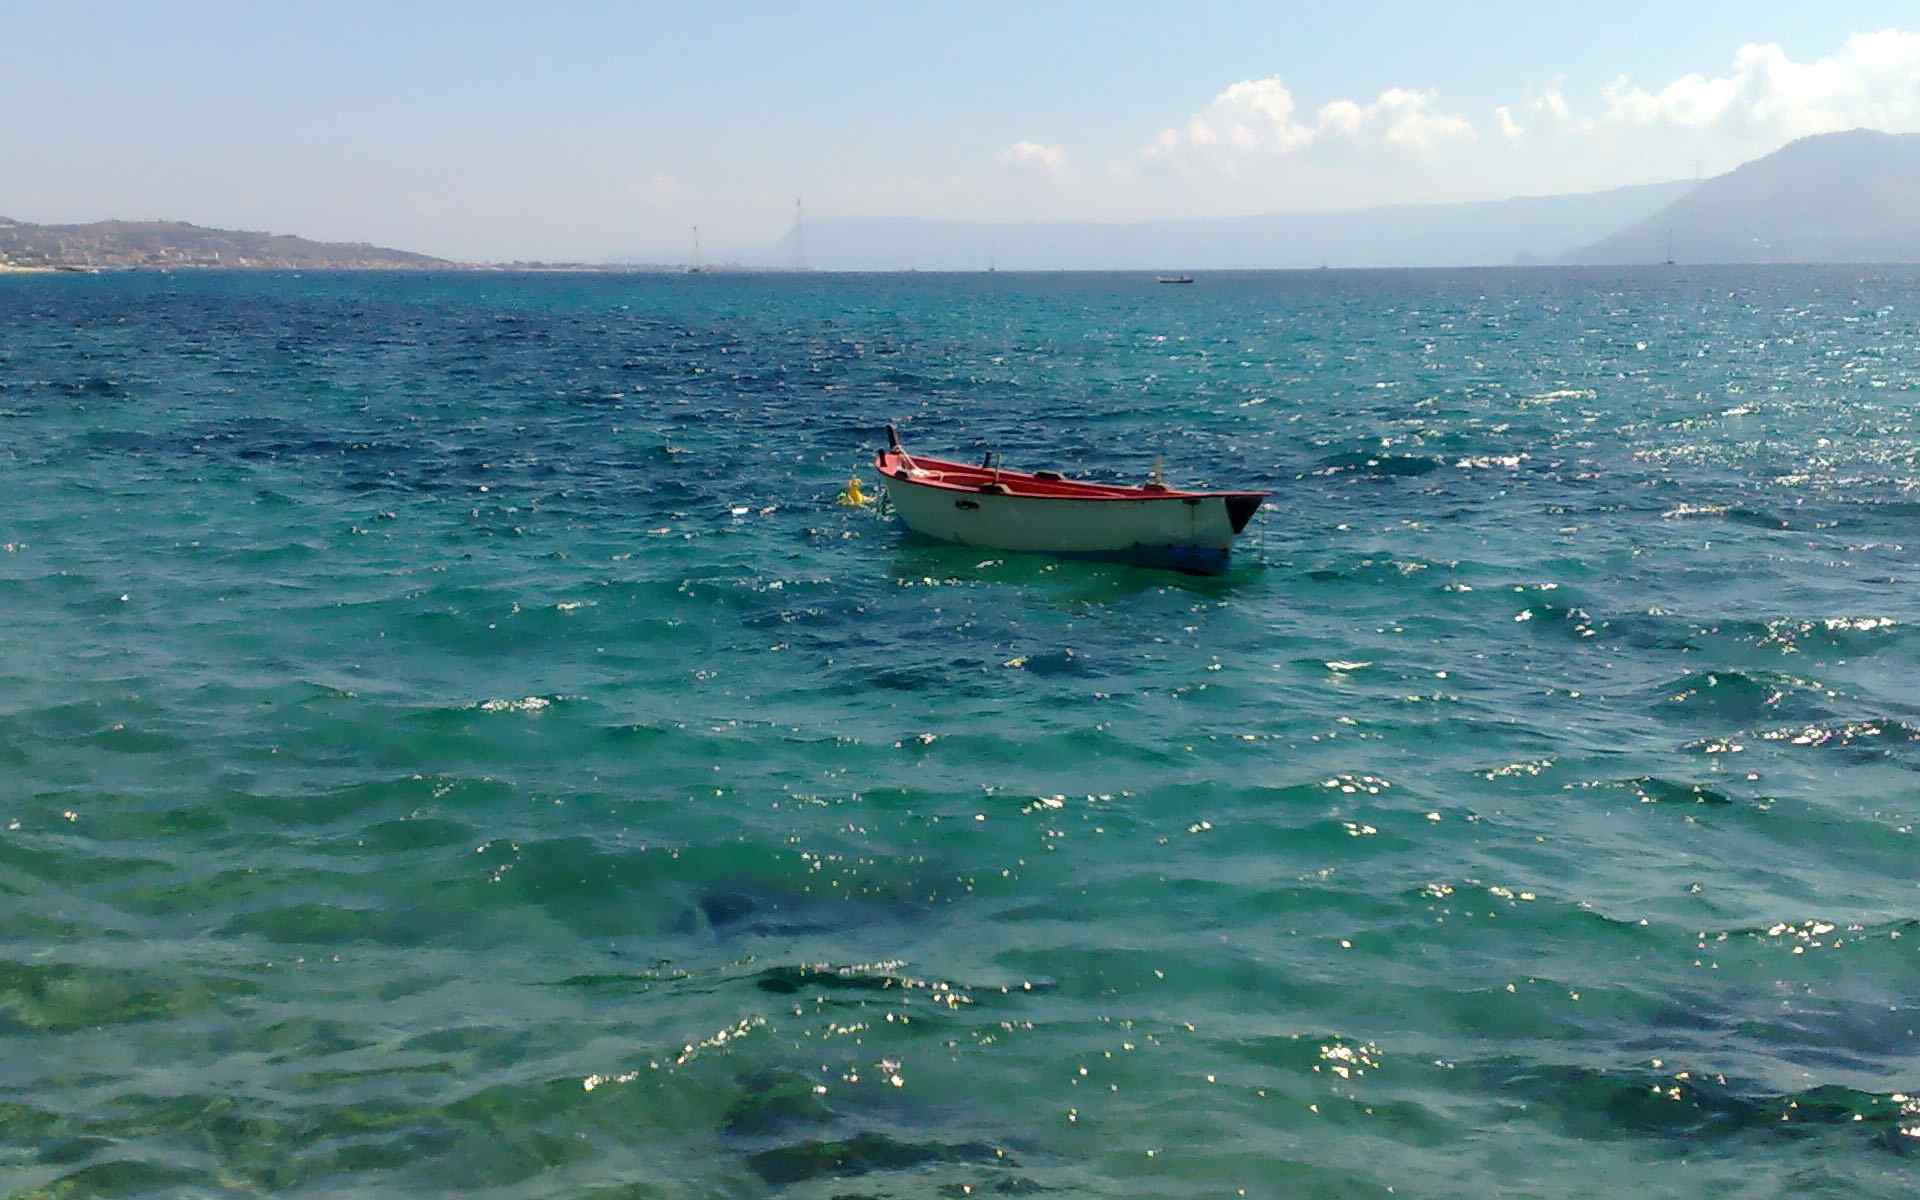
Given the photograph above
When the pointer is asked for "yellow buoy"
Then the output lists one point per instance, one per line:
(853, 497)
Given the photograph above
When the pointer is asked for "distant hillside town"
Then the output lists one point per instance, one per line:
(124, 245)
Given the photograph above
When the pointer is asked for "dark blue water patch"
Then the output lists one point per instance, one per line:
(863, 1154)
(1654, 790)
(1757, 519)
(829, 978)
(1379, 465)
(1741, 697)
(102, 386)
(740, 912)
(1591, 1103)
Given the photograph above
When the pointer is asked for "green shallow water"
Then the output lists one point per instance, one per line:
(451, 742)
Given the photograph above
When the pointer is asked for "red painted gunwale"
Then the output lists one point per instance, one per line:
(964, 477)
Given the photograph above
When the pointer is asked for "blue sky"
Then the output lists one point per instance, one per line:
(489, 130)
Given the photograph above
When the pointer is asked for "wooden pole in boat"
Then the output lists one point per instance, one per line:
(893, 444)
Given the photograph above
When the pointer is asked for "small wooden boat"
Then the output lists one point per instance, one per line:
(1150, 524)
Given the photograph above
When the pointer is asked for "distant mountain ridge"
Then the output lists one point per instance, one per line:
(1836, 197)
(124, 244)
(1482, 233)
(1832, 197)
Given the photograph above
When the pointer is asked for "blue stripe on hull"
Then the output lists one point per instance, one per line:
(1192, 560)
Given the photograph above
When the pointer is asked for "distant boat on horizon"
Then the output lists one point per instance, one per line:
(1173, 279)
(695, 268)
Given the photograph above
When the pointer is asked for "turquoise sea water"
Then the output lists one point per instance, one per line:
(451, 742)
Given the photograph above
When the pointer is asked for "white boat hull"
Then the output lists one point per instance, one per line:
(1187, 532)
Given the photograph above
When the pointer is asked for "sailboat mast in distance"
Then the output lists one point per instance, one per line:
(695, 268)
(799, 236)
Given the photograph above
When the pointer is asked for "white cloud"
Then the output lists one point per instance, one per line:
(1399, 118)
(1035, 154)
(1256, 127)
(1542, 114)
(1873, 80)
(1258, 146)
(1257, 118)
